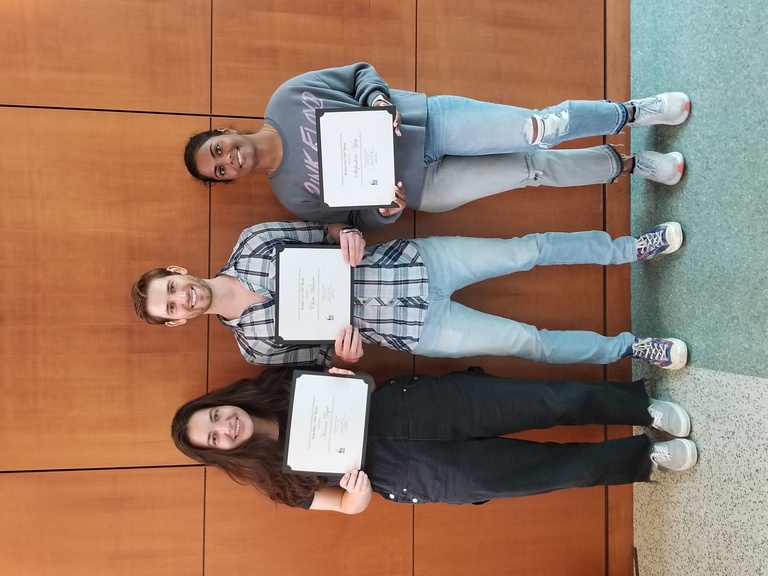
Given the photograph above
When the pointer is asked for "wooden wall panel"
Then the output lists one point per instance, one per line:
(521, 53)
(117, 522)
(138, 55)
(555, 534)
(93, 202)
(558, 534)
(245, 529)
(257, 46)
(618, 280)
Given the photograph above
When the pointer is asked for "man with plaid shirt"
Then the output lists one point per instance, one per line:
(402, 295)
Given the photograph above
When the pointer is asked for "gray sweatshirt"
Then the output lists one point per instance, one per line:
(291, 111)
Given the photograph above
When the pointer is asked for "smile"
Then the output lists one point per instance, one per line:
(193, 297)
(239, 158)
(237, 428)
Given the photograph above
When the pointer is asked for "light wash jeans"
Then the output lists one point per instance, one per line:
(476, 149)
(452, 330)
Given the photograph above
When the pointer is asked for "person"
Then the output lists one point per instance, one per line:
(402, 296)
(421, 451)
(449, 151)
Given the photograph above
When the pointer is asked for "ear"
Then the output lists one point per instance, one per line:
(226, 130)
(176, 269)
(179, 322)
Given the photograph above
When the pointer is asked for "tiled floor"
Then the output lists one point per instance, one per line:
(713, 294)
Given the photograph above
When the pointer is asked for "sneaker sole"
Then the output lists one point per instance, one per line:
(675, 239)
(679, 354)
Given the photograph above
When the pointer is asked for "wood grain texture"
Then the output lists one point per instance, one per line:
(138, 55)
(258, 46)
(118, 522)
(81, 220)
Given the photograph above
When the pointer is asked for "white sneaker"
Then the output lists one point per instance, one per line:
(670, 108)
(658, 167)
(678, 454)
(670, 418)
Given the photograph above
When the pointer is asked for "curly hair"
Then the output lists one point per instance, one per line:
(259, 460)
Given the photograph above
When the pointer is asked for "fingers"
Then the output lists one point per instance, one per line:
(399, 200)
(343, 337)
(340, 371)
(355, 481)
(349, 345)
(396, 123)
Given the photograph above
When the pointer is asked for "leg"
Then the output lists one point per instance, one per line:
(459, 126)
(464, 405)
(454, 262)
(452, 330)
(480, 470)
(456, 180)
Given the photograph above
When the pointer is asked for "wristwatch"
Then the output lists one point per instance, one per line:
(351, 229)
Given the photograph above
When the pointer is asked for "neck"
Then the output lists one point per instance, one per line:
(230, 297)
(269, 148)
(264, 427)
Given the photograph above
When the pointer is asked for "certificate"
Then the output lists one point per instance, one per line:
(314, 293)
(356, 156)
(327, 423)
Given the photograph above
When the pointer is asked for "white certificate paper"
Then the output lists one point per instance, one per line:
(356, 153)
(327, 423)
(314, 294)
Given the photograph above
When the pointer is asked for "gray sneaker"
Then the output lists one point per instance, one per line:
(678, 454)
(658, 167)
(668, 353)
(670, 108)
(670, 418)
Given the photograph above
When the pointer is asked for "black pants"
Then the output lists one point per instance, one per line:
(436, 439)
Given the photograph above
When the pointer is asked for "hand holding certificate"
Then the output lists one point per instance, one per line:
(327, 423)
(356, 153)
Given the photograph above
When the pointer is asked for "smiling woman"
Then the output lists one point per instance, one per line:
(450, 150)
(419, 453)
(224, 155)
(224, 427)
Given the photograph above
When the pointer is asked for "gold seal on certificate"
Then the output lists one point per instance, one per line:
(356, 156)
(327, 423)
(313, 299)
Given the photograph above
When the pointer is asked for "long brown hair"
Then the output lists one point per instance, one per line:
(259, 460)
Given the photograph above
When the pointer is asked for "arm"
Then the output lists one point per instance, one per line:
(352, 496)
(361, 81)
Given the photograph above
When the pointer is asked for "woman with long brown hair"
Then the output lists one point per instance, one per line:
(437, 439)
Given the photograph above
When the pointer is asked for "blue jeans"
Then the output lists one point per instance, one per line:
(476, 149)
(452, 330)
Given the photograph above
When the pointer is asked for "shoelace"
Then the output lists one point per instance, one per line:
(650, 350)
(656, 415)
(644, 165)
(650, 242)
(660, 454)
(648, 108)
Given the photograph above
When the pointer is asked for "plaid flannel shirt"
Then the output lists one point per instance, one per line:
(390, 293)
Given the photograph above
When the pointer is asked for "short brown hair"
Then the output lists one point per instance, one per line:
(139, 294)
